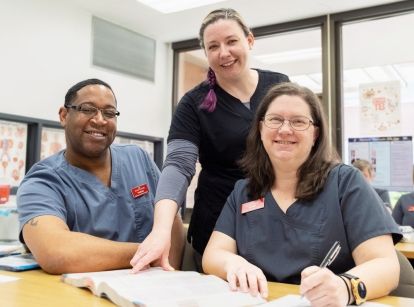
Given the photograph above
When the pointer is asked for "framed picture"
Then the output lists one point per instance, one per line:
(13, 146)
(148, 146)
(52, 141)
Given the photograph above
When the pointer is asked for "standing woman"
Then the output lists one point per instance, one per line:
(211, 123)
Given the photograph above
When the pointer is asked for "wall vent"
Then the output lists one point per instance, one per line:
(122, 50)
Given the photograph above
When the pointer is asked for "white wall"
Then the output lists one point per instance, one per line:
(45, 47)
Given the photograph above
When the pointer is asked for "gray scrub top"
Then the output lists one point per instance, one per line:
(84, 203)
(282, 245)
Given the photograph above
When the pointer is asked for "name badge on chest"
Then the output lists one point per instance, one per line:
(140, 190)
(252, 205)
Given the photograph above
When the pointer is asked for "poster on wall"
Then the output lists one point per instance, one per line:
(148, 146)
(380, 108)
(53, 140)
(391, 159)
(13, 139)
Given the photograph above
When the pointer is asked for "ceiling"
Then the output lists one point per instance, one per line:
(185, 24)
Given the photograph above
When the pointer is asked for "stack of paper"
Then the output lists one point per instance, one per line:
(16, 263)
(9, 249)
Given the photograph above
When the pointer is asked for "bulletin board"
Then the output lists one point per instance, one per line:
(391, 158)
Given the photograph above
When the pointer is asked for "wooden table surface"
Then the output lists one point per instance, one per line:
(36, 288)
(407, 249)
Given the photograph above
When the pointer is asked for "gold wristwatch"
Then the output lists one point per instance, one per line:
(359, 291)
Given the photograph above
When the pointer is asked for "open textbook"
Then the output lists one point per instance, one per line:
(158, 288)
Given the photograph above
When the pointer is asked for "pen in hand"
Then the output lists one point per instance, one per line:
(330, 256)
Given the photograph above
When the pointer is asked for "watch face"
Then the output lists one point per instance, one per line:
(362, 291)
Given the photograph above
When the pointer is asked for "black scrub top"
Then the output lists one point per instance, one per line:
(282, 245)
(220, 137)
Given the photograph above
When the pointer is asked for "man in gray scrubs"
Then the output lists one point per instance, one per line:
(88, 207)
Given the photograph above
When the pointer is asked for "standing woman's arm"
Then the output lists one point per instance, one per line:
(179, 168)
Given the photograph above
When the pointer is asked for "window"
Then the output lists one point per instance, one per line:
(378, 96)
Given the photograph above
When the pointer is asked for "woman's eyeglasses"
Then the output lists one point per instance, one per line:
(298, 123)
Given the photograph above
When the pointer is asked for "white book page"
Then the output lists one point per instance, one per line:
(91, 280)
(296, 301)
(179, 290)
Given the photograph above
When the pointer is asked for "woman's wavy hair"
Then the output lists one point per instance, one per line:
(210, 101)
(313, 172)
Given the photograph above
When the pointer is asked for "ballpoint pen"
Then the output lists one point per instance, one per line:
(330, 256)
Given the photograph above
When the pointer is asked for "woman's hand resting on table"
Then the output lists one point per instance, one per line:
(246, 277)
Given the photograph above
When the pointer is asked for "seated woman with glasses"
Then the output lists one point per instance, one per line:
(297, 201)
(368, 172)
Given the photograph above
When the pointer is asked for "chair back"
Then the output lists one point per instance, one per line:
(188, 262)
(406, 284)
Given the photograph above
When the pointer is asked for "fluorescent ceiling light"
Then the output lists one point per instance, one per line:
(171, 6)
(290, 56)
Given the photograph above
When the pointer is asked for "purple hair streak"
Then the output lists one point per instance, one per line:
(210, 101)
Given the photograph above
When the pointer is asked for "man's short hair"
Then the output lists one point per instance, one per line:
(72, 92)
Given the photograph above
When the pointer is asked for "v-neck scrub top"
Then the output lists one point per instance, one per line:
(84, 203)
(220, 137)
(283, 244)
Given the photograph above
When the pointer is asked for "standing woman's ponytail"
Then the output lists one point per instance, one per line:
(210, 101)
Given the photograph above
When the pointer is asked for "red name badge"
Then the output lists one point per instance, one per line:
(140, 190)
(252, 205)
(411, 208)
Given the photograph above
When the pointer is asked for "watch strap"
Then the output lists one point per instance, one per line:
(356, 283)
(349, 276)
(347, 288)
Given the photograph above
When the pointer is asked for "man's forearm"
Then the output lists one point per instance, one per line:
(79, 252)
